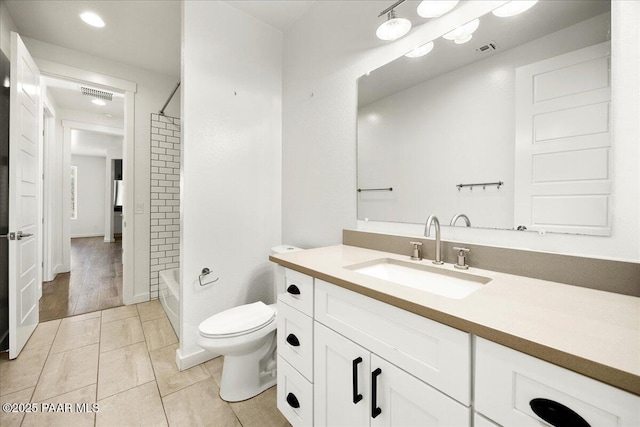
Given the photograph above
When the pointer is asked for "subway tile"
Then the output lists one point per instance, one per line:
(158, 125)
(157, 150)
(166, 132)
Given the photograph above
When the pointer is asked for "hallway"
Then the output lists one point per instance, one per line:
(94, 283)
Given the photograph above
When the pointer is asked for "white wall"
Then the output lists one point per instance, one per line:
(6, 26)
(332, 45)
(406, 140)
(231, 162)
(90, 196)
(153, 90)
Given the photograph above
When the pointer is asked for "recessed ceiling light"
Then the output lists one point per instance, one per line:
(99, 102)
(92, 19)
(514, 8)
(420, 51)
(7, 82)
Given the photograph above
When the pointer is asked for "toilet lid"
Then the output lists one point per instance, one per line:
(238, 320)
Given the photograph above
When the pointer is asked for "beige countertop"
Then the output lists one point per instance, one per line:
(594, 333)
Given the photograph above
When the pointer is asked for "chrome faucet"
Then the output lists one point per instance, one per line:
(463, 216)
(427, 230)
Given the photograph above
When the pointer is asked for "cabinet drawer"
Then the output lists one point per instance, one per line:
(295, 395)
(299, 291)
(436, 354)
(510, 383)
(295, 339)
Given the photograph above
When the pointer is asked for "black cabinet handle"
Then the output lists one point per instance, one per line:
(556, 413)
(292, 400)
(293, 340)
(293, 290)
(357, 397)
(375, 411)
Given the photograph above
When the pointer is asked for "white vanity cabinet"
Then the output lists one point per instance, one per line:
(354, 387)
(515, 389)
(295, 349)
(378, 365)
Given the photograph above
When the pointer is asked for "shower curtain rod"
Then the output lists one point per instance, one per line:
(169, 100)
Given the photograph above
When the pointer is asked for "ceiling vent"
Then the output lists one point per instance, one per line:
(492, 46)
(96, 93)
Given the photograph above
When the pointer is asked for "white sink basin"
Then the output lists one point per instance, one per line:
(450, 284)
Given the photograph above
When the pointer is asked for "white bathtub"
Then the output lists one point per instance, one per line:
(170, 296)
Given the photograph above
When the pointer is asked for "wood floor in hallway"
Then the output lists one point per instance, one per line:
(94, 283)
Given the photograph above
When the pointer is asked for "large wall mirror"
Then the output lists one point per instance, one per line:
(511, 129)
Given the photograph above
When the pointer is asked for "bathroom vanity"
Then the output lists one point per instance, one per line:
(356, 349)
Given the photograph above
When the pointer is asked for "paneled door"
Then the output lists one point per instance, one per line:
(563, 141)
(24, 144)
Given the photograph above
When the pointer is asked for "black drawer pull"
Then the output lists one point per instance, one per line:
(292, 400)
(375, 411)
(293, 340)
(293, 290)
(357, 397)
(556, 413)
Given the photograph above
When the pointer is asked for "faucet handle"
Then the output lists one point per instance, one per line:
(462, 259)
(416, 251)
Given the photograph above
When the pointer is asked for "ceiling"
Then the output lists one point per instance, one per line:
(141, 33)
(86, 143)
(544, 18)
(68, 95)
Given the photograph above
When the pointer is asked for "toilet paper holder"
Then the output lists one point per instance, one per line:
(205, 272)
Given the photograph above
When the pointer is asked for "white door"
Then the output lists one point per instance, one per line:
(24, 142)
(563, 140)
(404, 401)
(341, 374)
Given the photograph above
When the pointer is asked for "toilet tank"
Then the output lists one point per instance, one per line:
(278, 270)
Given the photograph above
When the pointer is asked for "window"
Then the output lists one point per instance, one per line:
(74, 192)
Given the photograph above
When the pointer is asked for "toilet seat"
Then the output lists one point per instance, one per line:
(238, 321)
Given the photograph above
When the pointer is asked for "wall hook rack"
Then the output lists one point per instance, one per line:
(483, 184)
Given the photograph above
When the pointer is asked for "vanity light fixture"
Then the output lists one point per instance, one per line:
(436, 8)
(463, 32)
(514, 8)
(92, 19)
(393, 28)
(464, 40)
(420, 50)
(99, 102)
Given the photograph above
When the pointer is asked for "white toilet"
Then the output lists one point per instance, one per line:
(246, 337)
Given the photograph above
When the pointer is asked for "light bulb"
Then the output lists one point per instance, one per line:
(463, 40)
(393, 28)
(514, 8)
(463, 31)
(92, 19)
(420, 51)
(436, 8)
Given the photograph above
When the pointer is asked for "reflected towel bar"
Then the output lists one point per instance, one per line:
(374, 189)
(483, 184)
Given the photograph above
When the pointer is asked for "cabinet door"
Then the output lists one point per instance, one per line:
(402, 400)
(341, 380)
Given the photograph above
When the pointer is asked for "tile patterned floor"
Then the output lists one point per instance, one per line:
(94, 283)
(123, 359)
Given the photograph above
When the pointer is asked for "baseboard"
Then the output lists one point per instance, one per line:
(137, 299)
(76, 236)
(58, 269)
(193, 359)
(107, 240)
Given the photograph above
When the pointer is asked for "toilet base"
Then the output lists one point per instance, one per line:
(246, 376)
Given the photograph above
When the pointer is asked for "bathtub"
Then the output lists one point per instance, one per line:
(170, 296)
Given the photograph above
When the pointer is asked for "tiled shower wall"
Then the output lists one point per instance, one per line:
(165, 197)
